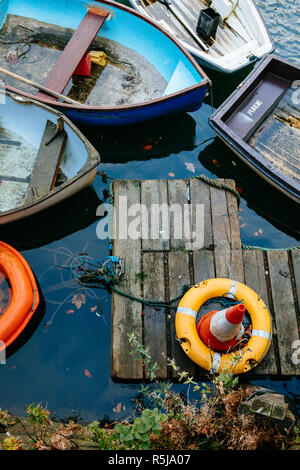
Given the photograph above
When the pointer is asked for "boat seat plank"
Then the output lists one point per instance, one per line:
(47, 163)
(74, 52)
(257, 105)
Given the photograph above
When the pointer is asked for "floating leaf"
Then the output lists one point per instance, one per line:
(87, 373)
(147, 147)
(190, 166)
(171, 174)
(117, 409)
(94, 308)
(70, 311)
(260, 231)
(256, 234)
(214, 161)
(78, 300)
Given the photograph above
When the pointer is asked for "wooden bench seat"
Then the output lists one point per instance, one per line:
(74, 52)
(47, 163)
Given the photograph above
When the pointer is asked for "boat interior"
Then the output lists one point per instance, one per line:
(28, 135)
(36, 43)
(267, 118)
(239, 35)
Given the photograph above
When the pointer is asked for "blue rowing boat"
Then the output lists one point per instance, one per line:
(144, 72)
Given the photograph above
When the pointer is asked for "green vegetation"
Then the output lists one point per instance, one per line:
(163, 419)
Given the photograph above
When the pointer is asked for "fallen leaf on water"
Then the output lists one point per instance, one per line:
(190, 166)
(171, 174)
(243, 225)
(260, 231)
(70, 311)
(147, 147)
(94, 308)
(256, 234)
(117, 409)
(87, 373)
(239, 190)
(215, 162)
(78, 300)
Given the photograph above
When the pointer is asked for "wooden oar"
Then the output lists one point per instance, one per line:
(40, 87)
(180, 18)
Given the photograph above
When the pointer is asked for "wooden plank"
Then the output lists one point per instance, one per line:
(284, 309)
(228, 261)
(204, 268)
(233, 213)
(178, 277)
(126, 314)
(73, 53)
(47, 163)
(155, 335)
(178, 198)
(154, 196)
(295, 254)
(255, 277)
(200, 194)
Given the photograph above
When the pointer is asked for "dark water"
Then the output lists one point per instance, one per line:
(63, 360)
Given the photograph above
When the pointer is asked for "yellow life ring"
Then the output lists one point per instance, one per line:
(185, 324)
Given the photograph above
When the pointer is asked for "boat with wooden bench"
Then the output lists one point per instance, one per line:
(260, 122)
(99, 63)
(43, 158)
(226, 35)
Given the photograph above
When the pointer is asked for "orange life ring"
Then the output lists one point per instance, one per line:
(24, 295)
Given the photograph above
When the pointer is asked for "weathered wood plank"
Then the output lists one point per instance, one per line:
(233, 213)
(284, 309)
(255, 278)
(178, 276)
(204, 268)
(47, 163)
(155, 335)
(178, 198)
(154, 196)
(74, 51)
(200, 194)
(296, 266)
(126, 314)
(228, 261)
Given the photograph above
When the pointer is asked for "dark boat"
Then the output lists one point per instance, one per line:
(260, 122)
(106, 63)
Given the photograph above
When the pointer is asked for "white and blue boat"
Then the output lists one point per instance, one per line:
(144, 72)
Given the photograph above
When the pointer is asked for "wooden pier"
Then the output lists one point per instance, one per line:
(157, 269)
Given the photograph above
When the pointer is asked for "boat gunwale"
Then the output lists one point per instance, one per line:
(92, 161)
(82, 107)
(248, 153)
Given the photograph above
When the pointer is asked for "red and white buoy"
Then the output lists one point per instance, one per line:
(222, 329)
